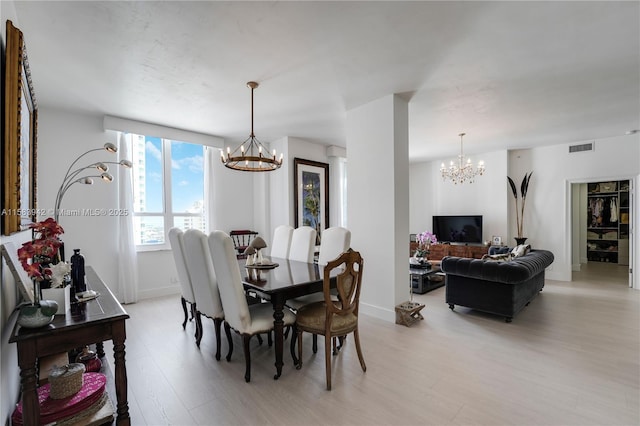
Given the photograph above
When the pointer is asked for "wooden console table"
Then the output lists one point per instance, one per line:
(88, 322)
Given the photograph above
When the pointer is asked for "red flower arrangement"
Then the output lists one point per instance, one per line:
(36, 255)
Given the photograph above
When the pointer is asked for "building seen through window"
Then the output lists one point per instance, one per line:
(168, 182)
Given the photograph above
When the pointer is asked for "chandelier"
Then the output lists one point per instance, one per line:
(251, 155)
(463, 171)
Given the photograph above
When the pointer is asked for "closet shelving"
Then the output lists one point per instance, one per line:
(608, 221)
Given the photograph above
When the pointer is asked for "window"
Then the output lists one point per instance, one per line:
(168, 182)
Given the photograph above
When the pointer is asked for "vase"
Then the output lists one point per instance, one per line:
(31, 316)
(520, 240)
(77, 271)
(38, 314)
(90, 359)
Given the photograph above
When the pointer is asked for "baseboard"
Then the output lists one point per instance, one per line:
(378, 312)
(576, 267)
(159, 292)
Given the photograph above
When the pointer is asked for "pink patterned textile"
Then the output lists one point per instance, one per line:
(52, 410)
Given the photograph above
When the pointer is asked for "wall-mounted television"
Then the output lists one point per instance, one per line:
(458, 229)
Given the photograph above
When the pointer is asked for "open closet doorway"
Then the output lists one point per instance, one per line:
(602, 214)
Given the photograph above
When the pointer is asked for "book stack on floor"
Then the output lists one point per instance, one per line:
(72, 397)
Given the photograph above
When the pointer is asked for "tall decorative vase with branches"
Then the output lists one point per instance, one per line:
(524, 186)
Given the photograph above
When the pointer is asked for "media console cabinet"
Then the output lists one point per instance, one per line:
(438, 251)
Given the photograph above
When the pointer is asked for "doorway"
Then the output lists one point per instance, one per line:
(601, 218)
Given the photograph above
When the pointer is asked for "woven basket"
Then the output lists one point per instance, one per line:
(66, 380)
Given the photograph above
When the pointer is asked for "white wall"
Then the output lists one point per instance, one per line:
(548, 221)
(62, 137)
(280, 190)
(233, 198)
(548, 216)
(430, 195)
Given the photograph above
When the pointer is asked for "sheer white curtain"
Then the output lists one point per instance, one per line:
(210, 154)
(127, 255)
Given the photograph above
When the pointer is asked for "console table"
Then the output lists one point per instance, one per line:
(88, 322)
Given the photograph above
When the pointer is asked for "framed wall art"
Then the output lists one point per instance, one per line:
(311, 198)
(20, 137)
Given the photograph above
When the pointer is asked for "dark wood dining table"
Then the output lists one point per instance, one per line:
(288, 280)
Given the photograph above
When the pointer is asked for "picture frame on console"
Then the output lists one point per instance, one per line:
(311, 197)
(496, 240)
(19, 140)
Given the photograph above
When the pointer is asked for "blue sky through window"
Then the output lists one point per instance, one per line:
(187, 175)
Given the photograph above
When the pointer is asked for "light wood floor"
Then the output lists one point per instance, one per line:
(570, 358)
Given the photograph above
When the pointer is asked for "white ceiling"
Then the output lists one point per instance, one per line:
(509, 74)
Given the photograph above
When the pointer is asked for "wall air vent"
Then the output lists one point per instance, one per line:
(581, 148)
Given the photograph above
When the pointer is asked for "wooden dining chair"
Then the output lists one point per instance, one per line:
(246, 320)
(241, 240)
(334, 318)
(205, 282)
(176, 240)
(303, 241)
(281, 242)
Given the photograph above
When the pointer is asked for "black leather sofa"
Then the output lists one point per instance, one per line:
(501, 288)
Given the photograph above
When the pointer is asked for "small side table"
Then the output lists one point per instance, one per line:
(408, 313)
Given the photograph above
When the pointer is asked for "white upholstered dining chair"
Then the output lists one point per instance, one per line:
(204, 280)
(303, 242)
(335, 241)
(281, 241)
(177, 248)
(247, 320)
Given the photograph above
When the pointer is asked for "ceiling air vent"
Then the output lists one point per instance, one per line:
(581, 148)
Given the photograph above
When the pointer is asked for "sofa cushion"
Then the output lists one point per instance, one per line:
(517, 270)
(493, 250)
(505, 254)
(521, 250)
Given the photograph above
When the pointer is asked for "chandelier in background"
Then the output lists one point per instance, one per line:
(462, 171)
(251, 155)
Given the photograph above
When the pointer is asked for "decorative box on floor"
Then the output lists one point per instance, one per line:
(408, 313)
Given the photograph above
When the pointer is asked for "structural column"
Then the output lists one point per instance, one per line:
(378, 207)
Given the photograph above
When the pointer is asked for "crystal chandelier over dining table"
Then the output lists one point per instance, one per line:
(462, 171)
(251, 155)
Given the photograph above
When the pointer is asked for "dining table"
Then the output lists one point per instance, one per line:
(287, 280)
